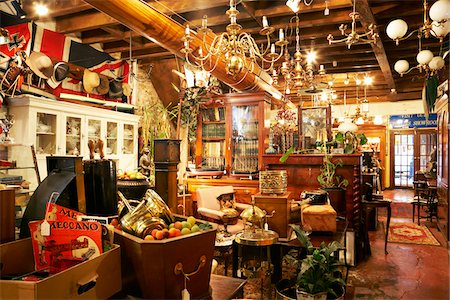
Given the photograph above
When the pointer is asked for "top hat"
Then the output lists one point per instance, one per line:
(40, 64)
(91, 80)
(115, 89)
(103, 88)
(60, 72)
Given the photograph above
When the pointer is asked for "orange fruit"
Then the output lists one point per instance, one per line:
(154, 231)
(159, 235)
(173, 232)
(149, 238)
(178, 225)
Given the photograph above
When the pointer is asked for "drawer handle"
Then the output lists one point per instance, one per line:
(84, 286)
(179, 268)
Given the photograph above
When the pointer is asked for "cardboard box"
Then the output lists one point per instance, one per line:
(98, 278)
(148, 267)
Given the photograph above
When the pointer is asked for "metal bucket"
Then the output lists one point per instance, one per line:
(273, 182)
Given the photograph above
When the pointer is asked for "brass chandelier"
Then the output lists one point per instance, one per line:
(297, 71)
(353, 37)
(236, 48)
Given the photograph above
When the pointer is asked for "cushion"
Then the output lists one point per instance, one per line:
(319, 217)
(207, 197)
(227, 204)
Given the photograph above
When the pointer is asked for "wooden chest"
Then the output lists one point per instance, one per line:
(149, 267)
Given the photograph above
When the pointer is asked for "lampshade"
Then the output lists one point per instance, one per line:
(401, 66)
(396, 29)
(347, 125)
(439, 10)
(424, 57)
(436, 63)
(440, 30)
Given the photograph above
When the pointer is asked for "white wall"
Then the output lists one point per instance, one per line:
(382, 108)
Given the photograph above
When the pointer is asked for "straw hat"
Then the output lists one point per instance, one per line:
(60, 72)
(91, 80)
(103, 88)
(115, 89)
(40, 64)
(126, 89)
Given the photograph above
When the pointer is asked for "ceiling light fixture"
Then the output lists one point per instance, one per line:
(439, 27)
(347, 80)
(294, 5)
(353, 37)
(426, 62)
(326, 12)
(238, 49)
(41, 9)
(298, 71)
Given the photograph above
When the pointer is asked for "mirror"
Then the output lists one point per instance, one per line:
(314, 125)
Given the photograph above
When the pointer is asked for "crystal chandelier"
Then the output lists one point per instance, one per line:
(236, 48)
(353, 37)
(438, 28)
(297, 71)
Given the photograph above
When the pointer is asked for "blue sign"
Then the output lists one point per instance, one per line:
(413, 121)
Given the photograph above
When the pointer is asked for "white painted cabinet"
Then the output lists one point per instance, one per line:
(61, 128)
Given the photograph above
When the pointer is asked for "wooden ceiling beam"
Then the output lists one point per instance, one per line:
(366, 18)
(96, 19)
(56, 8)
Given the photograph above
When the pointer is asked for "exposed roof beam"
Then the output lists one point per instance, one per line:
(366, 18)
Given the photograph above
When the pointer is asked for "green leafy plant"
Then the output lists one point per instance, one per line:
(190, 107)
(327, 177)
(319, 271)
(351, 141)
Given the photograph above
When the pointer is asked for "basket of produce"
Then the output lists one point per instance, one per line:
(132, 185)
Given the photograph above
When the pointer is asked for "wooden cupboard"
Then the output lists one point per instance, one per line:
(231, 133)
(443, 157)
(62, 128)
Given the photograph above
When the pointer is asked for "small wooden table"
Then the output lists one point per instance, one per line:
(224, 287)
(367, 206)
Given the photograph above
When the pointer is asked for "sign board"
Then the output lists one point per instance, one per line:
(413, 121)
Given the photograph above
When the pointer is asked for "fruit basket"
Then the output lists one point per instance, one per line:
(154, 268)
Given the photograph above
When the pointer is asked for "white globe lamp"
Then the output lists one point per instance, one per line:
(436, 63)
(347, 125)
(401, 66)
(424, 57)
(440, 30)
(439, 10)
(397, 29)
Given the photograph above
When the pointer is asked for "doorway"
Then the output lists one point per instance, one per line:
(410, 151)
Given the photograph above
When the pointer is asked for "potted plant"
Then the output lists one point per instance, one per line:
(351, 140)
(332, 183)
(319, 275)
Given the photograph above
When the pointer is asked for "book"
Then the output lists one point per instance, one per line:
(61, 244)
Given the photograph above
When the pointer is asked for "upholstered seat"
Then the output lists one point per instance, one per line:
(209, 206)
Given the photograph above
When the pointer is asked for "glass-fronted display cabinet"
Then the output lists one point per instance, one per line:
(128, 138)
(111, 138)
(244, 139)
(231, 133)
(73, 135)
(45, 133)
(213, 138)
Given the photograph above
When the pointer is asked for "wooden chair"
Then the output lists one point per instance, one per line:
(424, 197)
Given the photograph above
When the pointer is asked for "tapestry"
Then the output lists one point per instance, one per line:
(411, 233)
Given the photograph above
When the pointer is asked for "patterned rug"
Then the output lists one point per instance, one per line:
(411, 233)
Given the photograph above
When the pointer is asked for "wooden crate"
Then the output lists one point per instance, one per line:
(148, 267)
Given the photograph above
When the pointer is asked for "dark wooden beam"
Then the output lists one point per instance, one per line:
(366, 18)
